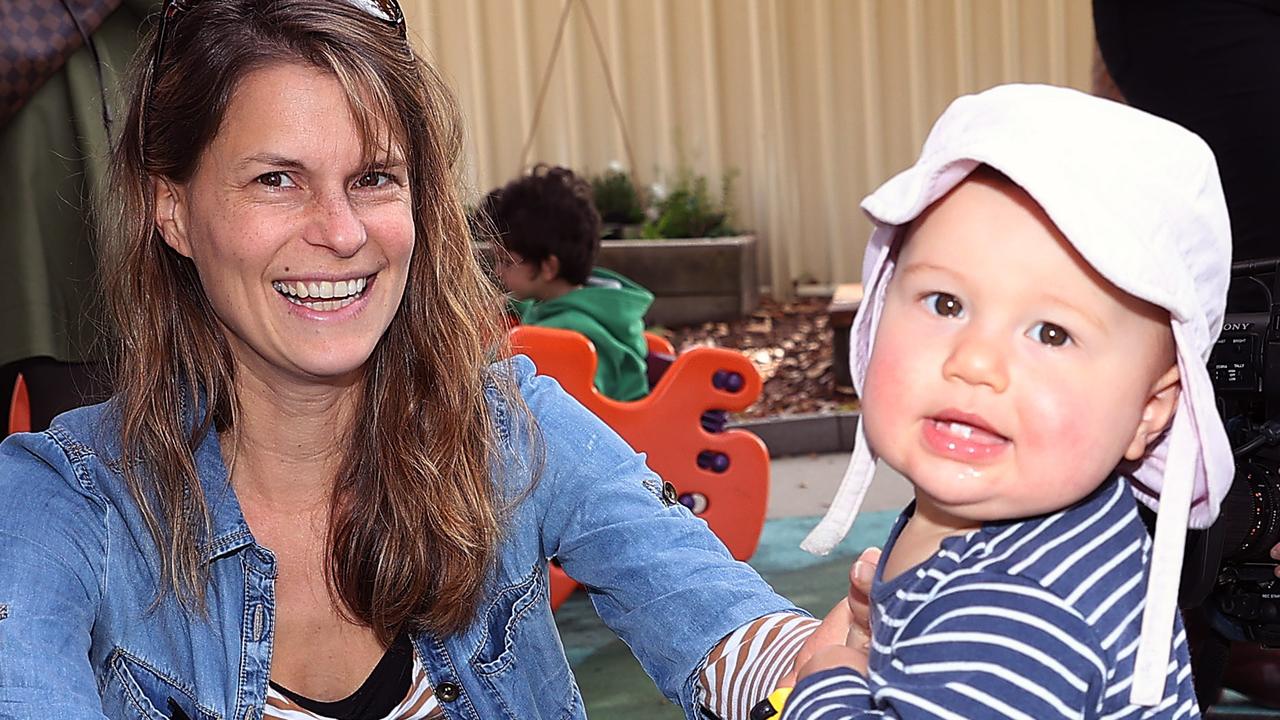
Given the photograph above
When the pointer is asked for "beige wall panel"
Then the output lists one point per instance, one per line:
(812, 102)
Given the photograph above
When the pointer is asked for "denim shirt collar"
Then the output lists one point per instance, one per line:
(228, 529)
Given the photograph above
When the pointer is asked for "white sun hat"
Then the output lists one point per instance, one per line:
(1140, 199)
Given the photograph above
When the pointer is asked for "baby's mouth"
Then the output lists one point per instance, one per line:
(967, 432)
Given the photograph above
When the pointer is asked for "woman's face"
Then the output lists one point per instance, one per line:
(302, 242)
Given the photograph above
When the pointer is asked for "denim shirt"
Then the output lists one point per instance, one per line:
(79, 637)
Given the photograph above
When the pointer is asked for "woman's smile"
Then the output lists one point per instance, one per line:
(322, 299)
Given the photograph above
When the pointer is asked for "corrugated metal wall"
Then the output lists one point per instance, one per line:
(812, 102)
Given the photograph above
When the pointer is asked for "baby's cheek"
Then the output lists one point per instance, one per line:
(888, 373)
(886, 394)
(1060, 419)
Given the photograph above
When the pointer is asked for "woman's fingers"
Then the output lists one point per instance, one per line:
(860, 577)
(834, 656)
(847, 626)
(859, 639)
(834, 630)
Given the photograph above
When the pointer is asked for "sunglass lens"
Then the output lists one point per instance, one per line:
(386, 10)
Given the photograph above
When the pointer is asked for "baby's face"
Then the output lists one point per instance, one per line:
(1007, 378)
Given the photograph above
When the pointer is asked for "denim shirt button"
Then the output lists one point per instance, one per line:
(448, 692)
(669, 495)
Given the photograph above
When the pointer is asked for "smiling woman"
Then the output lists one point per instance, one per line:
(323, 489)
(281, 208)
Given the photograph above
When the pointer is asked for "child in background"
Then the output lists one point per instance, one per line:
(1043, 290)
(548, 233)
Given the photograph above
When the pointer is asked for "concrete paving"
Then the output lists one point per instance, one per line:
(803, 486)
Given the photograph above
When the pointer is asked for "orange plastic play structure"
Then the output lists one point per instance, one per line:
(20, 409)
(723, 477)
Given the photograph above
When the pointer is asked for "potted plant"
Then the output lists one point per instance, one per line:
(619, 202)
(698, 266)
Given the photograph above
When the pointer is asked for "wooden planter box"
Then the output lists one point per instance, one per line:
(693, 280)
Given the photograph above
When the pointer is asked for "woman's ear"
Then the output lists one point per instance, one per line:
(1162, 400)
(171, 214)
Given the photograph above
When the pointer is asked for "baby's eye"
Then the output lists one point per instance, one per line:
(1049, 334)
(944, 304)
(276, 179)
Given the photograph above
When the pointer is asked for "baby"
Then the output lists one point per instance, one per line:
(1043, 289)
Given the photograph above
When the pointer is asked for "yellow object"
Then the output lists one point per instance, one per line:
(778, 698)
(771, 707)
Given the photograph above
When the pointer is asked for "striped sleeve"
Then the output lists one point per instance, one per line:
(986, 645)
(746, 666)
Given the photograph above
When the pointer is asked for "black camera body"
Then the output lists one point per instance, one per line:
(1229, 568)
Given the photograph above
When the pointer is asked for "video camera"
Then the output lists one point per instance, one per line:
(1228, 568)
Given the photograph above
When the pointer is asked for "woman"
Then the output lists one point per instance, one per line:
(312, 495)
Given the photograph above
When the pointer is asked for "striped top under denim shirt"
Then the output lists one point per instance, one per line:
(734, 678)
(1038, 618)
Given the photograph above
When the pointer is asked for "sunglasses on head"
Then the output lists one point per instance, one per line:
(385, 11)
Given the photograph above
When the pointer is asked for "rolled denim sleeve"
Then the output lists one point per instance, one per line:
(656, 573)
(52, 553)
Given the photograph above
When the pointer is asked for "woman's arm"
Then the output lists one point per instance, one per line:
(762, 656)
(52, 550)
(656, 574)
(750, 663)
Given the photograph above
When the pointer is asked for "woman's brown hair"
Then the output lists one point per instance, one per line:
(414, 519)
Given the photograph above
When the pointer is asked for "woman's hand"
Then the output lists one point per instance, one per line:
(860, 577)
(834, 656)
(846, 628)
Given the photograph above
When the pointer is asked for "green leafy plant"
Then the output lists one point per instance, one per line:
(688, 210)
(616, 197)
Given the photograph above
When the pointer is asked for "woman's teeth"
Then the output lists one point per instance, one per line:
(332, 295)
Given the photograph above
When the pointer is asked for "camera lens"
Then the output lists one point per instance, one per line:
(1251, 514)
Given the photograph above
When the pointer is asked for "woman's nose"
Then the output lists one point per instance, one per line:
(336, 225)
(978, 358)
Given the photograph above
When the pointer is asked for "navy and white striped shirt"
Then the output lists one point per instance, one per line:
(1036, 619)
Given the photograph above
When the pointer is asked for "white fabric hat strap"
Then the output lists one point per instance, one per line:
(853, 488)
(1151, 665)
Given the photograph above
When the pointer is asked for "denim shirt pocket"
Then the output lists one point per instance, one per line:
(519, 655)
(496, 652)
(142, 691)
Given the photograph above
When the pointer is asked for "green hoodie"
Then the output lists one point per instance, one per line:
(609, 310)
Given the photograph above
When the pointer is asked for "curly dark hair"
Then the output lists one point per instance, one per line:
(547, 212)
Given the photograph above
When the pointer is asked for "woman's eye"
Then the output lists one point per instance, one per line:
(374, 180)
(1049, 334)
(944, 304)
(276, 179)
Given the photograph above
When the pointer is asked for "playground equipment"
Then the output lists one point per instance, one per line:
(19, 409)
(721, 475)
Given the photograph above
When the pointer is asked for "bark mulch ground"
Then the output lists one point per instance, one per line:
(790, 345)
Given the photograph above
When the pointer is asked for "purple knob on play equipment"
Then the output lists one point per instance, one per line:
(696, 502)
(716, 462)
(713, 421)
(728, 381)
